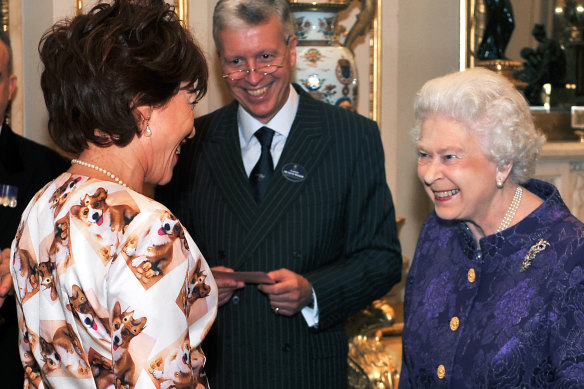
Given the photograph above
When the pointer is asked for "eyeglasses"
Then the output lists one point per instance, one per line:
(263, 70)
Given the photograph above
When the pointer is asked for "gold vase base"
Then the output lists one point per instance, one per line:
(504, 67)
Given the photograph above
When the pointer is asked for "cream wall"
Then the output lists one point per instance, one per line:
(420, 41)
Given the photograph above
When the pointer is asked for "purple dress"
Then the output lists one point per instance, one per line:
(507, 315)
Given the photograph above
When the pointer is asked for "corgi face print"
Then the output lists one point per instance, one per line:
(46, 278)
(64, 351)
(59, 252)
(125, 327)
(80, 305)
(197, 288)
(49, 356)
(169, 225)
(45, 274)
(62, 193)
(93, 206)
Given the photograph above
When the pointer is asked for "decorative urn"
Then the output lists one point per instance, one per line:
(324, 67)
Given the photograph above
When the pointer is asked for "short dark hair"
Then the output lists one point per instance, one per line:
(100, 66)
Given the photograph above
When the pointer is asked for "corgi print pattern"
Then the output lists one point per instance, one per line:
(100, 272)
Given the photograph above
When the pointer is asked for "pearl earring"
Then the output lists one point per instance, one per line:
(148, 131)
(499, 183)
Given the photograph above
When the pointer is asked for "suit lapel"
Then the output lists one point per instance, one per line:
(223, 156)
(306, 144)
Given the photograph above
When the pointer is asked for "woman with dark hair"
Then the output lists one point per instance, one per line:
(110, 289)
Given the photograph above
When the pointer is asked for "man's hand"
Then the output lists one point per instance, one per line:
(226, 286)
(289, 294)
(5, 278)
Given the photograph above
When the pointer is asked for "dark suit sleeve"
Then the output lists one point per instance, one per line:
(175, 195)
(372, 261)
(29, 166)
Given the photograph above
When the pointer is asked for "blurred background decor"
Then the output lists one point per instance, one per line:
(543, 57)
(326, 67)
(375, 338)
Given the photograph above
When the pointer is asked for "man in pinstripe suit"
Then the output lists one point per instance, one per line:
(324, 232)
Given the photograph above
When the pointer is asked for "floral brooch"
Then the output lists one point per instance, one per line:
(533, 251)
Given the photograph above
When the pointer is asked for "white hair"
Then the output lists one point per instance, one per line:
(491, 108)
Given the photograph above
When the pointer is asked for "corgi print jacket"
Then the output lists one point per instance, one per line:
(110, 290)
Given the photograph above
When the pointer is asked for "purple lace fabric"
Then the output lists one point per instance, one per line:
(516, 320)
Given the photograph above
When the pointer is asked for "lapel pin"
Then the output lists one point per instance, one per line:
(533, 251)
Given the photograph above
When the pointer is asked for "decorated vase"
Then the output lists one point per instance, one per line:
(324, 67)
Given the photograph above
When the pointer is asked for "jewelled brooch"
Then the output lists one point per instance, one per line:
(533, 251)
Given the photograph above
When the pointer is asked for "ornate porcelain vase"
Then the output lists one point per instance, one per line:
(324, 67)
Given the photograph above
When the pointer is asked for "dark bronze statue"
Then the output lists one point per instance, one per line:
(543, 65)
(498, 29)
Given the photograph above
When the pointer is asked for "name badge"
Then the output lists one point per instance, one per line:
(294, 172)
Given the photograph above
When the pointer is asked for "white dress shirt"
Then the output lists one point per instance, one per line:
(281, 123)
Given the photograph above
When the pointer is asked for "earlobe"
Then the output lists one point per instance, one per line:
(503, 174)
(144, 113)
(13, 80)
(292, 47)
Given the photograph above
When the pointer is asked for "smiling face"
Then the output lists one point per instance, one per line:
(456, 174)
(252, 47)
(170, 125)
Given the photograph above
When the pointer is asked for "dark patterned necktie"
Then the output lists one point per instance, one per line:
(262, 171)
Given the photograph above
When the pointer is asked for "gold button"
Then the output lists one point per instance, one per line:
(472, 276)
(454, 323)
(441, 371)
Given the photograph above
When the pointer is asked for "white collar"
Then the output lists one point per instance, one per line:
(281, 122)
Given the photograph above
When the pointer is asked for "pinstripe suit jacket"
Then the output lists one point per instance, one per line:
(336, 228)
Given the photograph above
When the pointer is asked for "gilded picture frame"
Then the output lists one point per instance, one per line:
(467, 33)
(375, 64)
(5, 14)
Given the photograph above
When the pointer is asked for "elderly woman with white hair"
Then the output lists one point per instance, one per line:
(495, 294)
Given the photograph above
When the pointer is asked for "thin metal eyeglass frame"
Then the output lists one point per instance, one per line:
(267, 69)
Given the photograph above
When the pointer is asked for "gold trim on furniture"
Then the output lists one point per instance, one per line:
(182, 10)
(5, 20)
(375, 66)
(471, 30)
(467, 33)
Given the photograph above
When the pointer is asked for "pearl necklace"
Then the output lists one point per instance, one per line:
(510, 214)
(101, 170)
